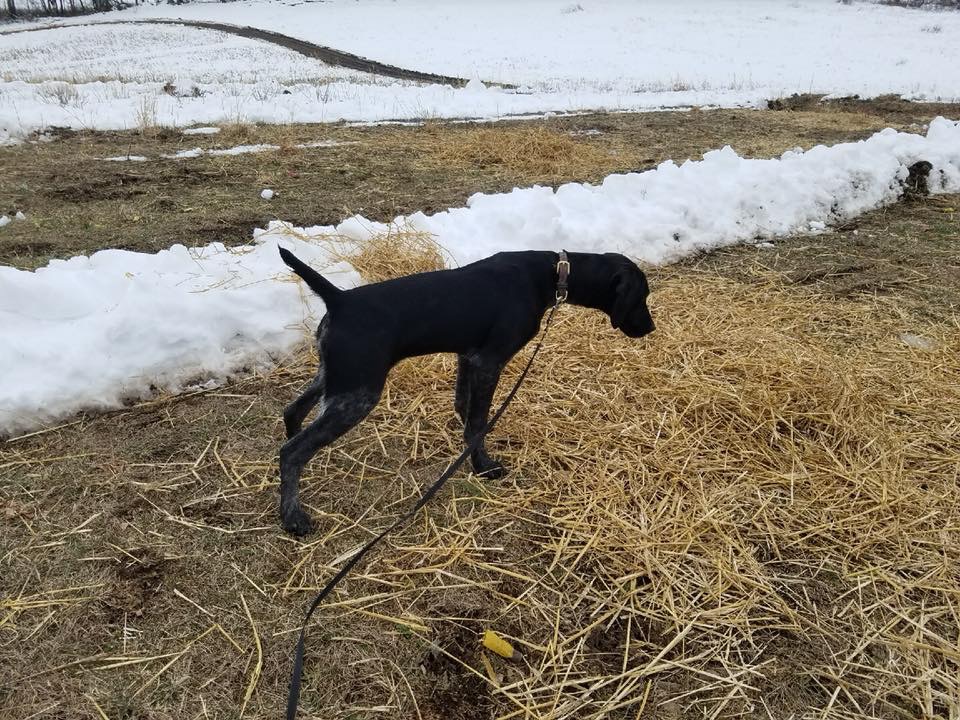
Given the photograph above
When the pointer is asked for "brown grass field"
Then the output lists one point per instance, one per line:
(752, 513)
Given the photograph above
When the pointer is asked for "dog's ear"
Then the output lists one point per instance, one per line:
(622, 298)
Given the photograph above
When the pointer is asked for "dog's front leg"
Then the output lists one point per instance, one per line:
(461, 399)
(482, 378)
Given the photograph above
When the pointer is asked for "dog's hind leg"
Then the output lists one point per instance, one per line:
(296, 411)
(341, 412)
(483, 376)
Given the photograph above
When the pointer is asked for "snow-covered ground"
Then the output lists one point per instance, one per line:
(112, 77)
(627, 46)
(91, 332)
(563, 56)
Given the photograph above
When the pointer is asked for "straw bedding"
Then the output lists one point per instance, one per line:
(756, 507)
(535, 152)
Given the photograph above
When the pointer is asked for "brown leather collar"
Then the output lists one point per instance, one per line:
(563, 272)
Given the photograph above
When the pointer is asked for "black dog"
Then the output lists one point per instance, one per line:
(485, 312)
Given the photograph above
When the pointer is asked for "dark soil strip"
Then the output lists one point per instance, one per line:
(327, 55)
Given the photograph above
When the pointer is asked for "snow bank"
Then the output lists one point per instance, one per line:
(92, 332)
(673, 211)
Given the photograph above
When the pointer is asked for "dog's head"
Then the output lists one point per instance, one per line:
(629, 312)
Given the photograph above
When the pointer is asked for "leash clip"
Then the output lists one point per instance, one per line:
(563, 272)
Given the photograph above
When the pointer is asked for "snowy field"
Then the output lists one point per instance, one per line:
(562, 56)
(113, 78)
(92, 332)
(735, 47)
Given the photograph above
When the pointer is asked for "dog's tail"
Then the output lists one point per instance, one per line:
(328, 292)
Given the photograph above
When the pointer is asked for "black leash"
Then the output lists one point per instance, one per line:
(293, 696)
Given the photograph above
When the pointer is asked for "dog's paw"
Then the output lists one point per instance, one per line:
(297, 522)
(490, 470)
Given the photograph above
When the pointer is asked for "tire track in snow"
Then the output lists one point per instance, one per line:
(328, 55)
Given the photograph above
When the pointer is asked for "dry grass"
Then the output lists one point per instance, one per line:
(393, 253)
(147, 117)
(757, 507)
(243, 133)
(535, 151)
(753, 512)
(524, 151)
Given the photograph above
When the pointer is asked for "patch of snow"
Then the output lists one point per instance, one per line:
(211, 384)
(325, 143)
(92, 332)
(237, 150)
(20, 215)
(917, 342)
(266, 194)
(243, 150)
(181, 154)
(4, 220)
(201, 131)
